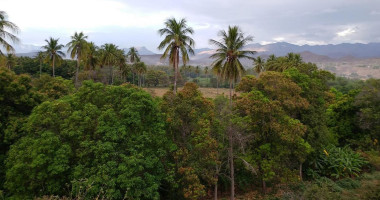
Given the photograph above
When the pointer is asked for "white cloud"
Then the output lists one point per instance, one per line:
(346, 32)
(78, 14)
(278, 39)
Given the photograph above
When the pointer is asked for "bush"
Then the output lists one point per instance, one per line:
(339, 162)
(348, 183)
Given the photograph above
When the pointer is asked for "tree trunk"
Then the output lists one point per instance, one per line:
(231, 158)
(53, 66)
(217, 84)
(40, 68)
(264, 187)
(216, 191)
(112, 75)
(230, 92)
(77, 72)
(217, 170)
(301, 171)
(175, 71)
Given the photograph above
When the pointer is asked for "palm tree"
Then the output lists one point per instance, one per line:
(230, 50)
(217, 71)
(206, 72)
(109, 54)
(10, 60)
(76, 48)
(53, 51)
(271, 57)
(133, 55)
(197, 70)
(121, 62)
(176, 42)
(91, 56)
(259, 65)
(40, 58)
(140, 68)
(4, 34)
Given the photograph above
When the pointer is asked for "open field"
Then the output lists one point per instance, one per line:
(207, 92)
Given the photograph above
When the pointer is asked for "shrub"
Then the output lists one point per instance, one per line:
(348, 183)
(339, 162)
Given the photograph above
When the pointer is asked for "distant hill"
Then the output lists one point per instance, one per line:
(357, 50)
(142, 51)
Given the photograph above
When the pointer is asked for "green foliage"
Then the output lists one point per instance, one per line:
(339, 162)
(189, 117)
(52, 88)
(265, 114)
(17, 99)
(109, 137)
(348, 183)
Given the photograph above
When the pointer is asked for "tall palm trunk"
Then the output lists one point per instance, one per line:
(230, 92)
(301, 171)
(217, 84)
(40, 68)
(53, 66)
(231, 161)
(231, 152)
(77, 72)
(175, 63)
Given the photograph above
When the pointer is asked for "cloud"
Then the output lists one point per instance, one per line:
(346, 32)
(134, 22)
(278, 39)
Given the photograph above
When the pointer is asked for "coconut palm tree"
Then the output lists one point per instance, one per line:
(259, 65)
(53, 52)
(76, 48)
(10, 60)
(6, 25)
(133, 55)
(91, 56)
(271, 57)
(217, 71)
(206, 72)
(40, 58)
(109, 55)
(176, 43)
(140, 68)
(229, 52)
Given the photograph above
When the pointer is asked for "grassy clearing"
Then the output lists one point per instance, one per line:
(207, 92)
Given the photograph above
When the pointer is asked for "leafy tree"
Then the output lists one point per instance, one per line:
(6, 25)
(17, 99)
(230, 50)
(368, 100)
(53, 52)
(156, 77)
(189, 117)
(76, 48)
(176, 43)
(52, 88)
(107, 139)
(265, 112)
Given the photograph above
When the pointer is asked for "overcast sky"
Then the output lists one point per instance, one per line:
(135, 22)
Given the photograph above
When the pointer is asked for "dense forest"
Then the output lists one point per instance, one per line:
(85, 128)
